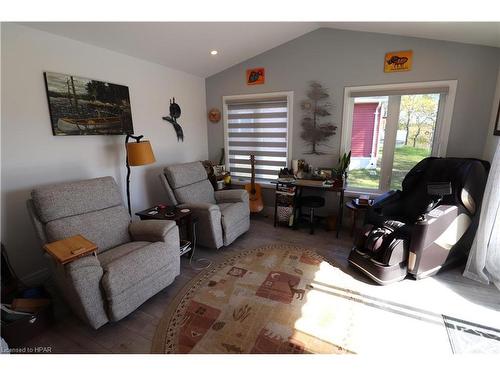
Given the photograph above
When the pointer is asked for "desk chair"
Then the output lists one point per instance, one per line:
(311, 202)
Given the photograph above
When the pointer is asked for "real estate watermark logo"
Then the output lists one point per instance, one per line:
(28, 350)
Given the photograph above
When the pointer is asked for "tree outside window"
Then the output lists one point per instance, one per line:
(418, 118)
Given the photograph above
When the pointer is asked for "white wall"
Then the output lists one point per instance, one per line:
(32, 156)
(492, 141)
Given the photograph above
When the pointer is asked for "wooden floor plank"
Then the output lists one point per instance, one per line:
(134, 333)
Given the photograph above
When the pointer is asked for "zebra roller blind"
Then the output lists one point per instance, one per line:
(257, 127)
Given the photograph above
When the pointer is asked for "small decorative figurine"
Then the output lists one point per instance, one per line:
(175, 113)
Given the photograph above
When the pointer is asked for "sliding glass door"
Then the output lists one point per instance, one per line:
(415, 133)
(389, 131)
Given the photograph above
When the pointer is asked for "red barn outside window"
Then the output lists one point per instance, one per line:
(368, 118)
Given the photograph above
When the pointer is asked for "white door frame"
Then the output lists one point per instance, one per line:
(443, 121)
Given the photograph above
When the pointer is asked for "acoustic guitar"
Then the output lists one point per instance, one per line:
(254, 191)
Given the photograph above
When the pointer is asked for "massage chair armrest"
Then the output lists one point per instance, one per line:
(386, 198)
(231, 196)
(383, 204)
(432, 225)
(152, 230)
(437, 231)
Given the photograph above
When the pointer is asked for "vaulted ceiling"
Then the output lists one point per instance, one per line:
(186, 46)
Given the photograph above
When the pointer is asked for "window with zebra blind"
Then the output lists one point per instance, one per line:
(257, 125)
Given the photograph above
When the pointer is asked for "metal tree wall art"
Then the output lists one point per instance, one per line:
(175, 113)
(316, 108)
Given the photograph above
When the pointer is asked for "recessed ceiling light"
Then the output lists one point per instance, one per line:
(214, 52)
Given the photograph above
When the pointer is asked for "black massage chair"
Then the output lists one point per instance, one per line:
(430, 224)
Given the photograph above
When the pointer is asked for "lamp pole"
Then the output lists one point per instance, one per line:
(137, 139)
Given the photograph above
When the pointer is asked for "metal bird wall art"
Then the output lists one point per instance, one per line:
(175, 113)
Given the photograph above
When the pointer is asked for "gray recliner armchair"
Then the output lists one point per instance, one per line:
(223, 215)
(135, 260)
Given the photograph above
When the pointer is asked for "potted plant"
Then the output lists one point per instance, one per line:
(340, 171)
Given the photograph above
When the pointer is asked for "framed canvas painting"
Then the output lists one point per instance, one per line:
(398, 61)
(497, 122)
(256, 76)
(83, 106)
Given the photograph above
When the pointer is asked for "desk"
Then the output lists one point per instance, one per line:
(300, 184)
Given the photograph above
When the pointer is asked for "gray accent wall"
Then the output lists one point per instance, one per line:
(339, 58)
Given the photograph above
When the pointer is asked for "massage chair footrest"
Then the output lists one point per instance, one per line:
(380, 273)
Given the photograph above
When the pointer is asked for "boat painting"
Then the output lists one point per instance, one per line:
(82, 106)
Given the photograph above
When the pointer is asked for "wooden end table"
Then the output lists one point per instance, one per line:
(184, 220)
(355, 211)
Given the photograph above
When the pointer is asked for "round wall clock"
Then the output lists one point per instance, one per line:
(214, 115)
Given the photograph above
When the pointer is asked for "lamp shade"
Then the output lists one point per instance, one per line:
(140, 153)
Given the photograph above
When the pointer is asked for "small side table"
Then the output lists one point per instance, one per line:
(184, 220)
(355, 211)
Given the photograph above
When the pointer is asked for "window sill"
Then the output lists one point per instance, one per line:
(265, 185)
(351, 193)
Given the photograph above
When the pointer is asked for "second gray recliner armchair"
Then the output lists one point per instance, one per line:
(223, 215)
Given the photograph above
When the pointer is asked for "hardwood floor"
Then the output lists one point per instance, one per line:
(447, 293)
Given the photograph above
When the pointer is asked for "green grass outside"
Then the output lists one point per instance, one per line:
(405, 158)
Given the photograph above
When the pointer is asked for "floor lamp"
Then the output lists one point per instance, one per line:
(138, 153)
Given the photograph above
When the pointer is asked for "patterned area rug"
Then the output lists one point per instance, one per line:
(285, 299)
(259, 301)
